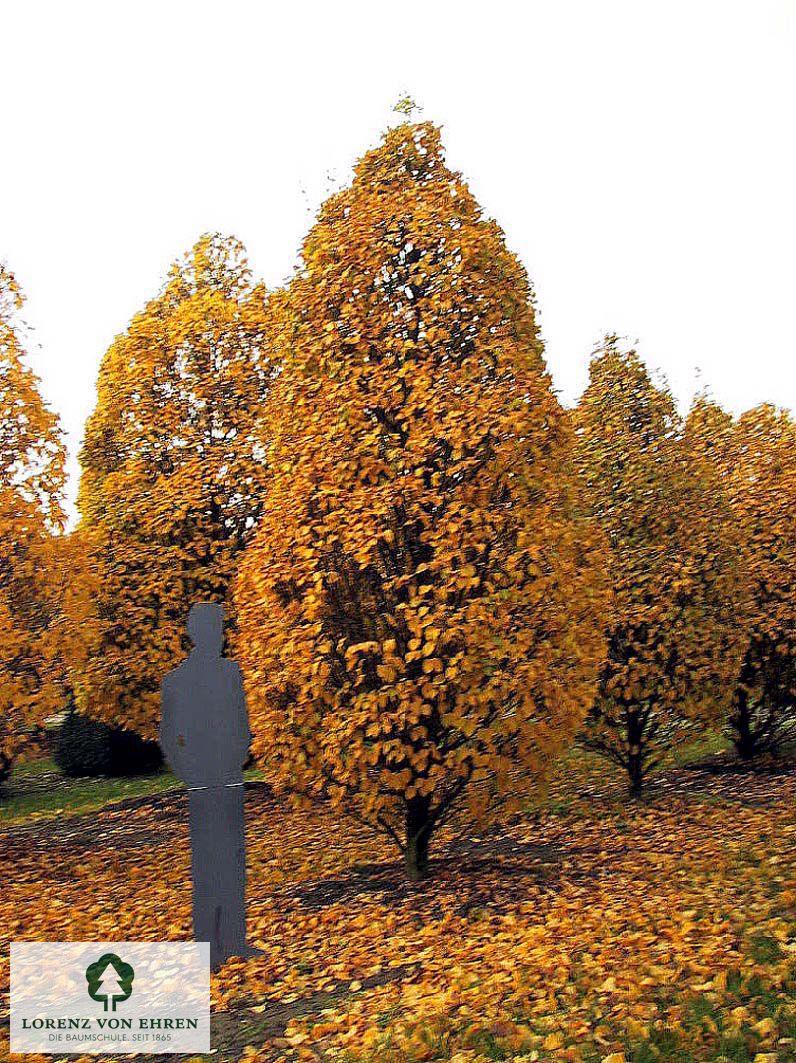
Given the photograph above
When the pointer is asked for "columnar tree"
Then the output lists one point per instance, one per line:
(31, 484)
(761, 471)
(419, 611)
(673, 644)
(171, 486)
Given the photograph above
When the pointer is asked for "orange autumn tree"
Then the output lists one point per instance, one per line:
(74, 583)
(172, 472)
(674, 643)
(760, 468)
(419, 611)
(31, 484)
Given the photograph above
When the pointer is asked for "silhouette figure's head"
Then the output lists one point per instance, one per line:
(206, 628)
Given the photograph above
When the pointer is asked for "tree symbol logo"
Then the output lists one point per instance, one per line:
(110, 979)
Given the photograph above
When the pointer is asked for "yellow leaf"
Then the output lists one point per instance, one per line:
(553, 1040)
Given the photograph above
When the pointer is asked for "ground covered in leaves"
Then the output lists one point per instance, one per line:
(591, 929)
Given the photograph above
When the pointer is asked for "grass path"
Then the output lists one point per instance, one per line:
(38, 790)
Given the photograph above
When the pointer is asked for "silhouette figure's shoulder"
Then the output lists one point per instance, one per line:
(231, 667)
(172, 677)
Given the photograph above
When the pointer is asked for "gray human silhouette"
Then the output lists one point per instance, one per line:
(204, 735)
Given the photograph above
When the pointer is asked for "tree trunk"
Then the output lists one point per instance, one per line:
(635, 755)
(635, 772)
(418, 837)
(745, 740)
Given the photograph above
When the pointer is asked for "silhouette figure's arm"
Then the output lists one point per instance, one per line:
(243, 721)
(168, 731)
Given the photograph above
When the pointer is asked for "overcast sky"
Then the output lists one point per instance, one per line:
(640, 157)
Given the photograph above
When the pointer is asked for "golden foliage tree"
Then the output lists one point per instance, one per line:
(172, 472)
(31, 483)
(756, 455)
(419, 609)
(674, 642)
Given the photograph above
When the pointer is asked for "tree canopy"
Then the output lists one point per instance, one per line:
(32, 460)
(756, 457)
(419, 610)
(675, 641)
(173, 466)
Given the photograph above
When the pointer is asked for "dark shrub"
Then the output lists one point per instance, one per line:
(83, 747)
(87, 747)
(132, 755)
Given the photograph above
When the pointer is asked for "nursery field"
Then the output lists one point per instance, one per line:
(385, 548)
(589, 928)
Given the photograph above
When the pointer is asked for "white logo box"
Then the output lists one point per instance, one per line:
(110, 997)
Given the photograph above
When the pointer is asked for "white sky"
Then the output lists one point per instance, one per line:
(641, 157)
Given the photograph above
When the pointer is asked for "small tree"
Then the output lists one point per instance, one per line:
(172, 474)
(31, 485)
(419, 610)
(673, 645)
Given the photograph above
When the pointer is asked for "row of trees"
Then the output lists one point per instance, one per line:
(700, 520)
(437, 577)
